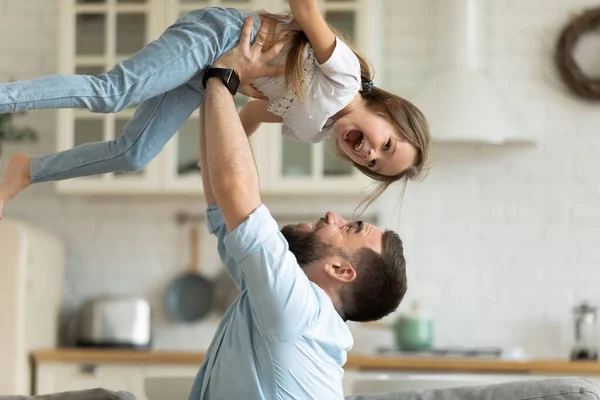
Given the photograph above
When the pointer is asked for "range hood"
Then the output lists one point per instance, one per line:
(462, 103)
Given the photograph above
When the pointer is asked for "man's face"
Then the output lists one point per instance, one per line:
(330, 235)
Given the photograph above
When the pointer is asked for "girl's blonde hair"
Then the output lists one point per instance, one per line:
(401, 113)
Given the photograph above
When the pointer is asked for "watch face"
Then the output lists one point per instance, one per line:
(234, 81)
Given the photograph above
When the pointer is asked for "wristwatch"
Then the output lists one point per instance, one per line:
(228, 76)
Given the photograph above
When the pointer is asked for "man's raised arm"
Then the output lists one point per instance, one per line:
(232, 170)
(233, 176)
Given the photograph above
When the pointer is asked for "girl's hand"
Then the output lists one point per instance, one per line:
(249, 61)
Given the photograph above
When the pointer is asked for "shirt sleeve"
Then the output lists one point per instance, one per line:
(216, 226)
(284, 302)
(342, 68)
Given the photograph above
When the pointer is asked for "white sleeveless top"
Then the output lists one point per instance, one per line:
(329, 88)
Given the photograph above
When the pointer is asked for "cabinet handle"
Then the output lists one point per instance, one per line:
(91, 369)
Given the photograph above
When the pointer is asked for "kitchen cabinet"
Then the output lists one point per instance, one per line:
(94, 35)
(73, 369)
(55, 377)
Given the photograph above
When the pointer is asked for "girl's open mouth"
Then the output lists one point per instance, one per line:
(355, 139)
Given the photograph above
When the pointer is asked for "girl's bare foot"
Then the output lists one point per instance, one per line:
(16, 178)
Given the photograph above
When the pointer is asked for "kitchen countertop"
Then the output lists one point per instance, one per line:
(355, 362)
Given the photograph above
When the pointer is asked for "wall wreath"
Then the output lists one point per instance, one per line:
(571, 73)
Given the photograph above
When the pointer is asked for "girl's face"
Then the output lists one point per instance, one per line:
(369, 139)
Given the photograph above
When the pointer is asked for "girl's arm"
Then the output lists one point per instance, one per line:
(254, 113)
(321, 37)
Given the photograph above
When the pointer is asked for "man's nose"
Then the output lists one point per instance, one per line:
(334, 218)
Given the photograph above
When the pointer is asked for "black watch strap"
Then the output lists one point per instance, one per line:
(228, 76)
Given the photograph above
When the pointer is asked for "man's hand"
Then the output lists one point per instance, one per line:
(249, 61)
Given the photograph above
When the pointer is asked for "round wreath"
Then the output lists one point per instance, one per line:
(571, 73)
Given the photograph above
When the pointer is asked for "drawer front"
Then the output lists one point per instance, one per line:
(56, 378)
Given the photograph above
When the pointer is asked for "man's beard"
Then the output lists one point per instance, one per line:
(306, 246)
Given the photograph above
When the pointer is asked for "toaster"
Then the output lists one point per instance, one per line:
(115, 321)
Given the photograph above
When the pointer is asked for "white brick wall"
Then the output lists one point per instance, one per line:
(500, 240)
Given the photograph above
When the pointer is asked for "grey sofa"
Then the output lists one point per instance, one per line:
(546, 389)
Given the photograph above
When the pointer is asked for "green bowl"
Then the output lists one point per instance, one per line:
(414, 334)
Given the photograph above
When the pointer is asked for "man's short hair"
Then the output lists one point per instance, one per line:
(380, 283)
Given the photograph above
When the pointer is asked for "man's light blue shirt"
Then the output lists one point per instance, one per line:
(282, 338)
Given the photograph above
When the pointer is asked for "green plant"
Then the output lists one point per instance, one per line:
(10, 133)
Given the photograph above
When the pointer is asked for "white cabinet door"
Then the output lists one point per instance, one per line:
(169, 381)
(59, 377)
(64, 377)
(94, 36)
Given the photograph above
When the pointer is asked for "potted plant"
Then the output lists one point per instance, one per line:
(10, 133)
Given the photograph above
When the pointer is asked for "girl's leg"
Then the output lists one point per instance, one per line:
(153, 124)
(186, 48)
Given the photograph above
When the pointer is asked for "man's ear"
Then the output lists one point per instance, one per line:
(340, 269)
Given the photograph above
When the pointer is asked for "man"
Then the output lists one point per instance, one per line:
(285, 336)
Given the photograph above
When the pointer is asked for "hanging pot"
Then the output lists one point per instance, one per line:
(191, 296)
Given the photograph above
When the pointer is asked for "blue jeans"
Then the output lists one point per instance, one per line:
(165, 77)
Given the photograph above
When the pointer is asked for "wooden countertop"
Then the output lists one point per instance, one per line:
(355, 362)
(117, 356)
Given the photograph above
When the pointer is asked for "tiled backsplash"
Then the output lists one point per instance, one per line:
(501, 241)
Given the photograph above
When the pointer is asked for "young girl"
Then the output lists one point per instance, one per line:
(326, 91)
